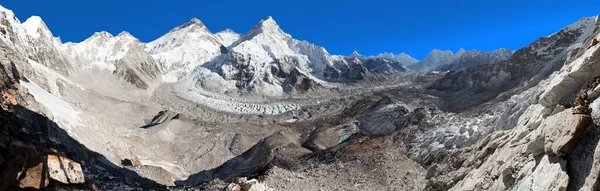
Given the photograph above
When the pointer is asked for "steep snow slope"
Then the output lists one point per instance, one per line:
(62, 111)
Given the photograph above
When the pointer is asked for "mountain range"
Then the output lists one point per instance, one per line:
(197, 110)
(265, 60)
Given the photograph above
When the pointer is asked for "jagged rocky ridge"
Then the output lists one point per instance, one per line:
(447, 60)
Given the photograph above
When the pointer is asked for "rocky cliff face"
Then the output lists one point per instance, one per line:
(547, 146)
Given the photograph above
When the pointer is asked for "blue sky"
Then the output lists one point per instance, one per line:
(370, 27)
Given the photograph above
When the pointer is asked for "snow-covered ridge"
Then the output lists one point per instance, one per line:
(402, 58)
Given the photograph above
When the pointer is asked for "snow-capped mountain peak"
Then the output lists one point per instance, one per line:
(126, 36)
(102, 35)
(355, 55)
(267, 25)
(36, 27)
(193, 23)
(184, 48)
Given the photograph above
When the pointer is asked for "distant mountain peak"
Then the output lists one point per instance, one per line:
(403, 58)
(194, 22)
(102, 34)
(126, 35)
(355, 55)
(266, 25)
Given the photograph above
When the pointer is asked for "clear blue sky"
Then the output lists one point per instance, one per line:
(371, 27)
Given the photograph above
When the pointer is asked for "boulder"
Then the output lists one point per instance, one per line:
(431, 171)
(594, 43)
(33, 177)
(135, 162)
(65, 170)
(549, 174)
(243, 184)
(562, 132)
(20, 161)
(162, 117)
(8, 99)
(327, 137)
(384, 118)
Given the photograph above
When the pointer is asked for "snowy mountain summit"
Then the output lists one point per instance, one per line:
(268, 61)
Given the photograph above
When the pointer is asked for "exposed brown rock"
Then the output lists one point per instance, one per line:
(34, 177)
(65, 170)
(581, 104)
(8, 99)
(564, 129)
(594, 43)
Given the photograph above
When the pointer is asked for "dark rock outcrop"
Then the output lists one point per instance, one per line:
(162, 117)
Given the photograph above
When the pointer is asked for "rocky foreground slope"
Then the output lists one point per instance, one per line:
(194, 110)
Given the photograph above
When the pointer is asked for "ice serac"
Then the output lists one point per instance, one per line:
(184, 48)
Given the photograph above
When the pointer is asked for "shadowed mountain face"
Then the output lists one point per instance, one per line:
(27, 138)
